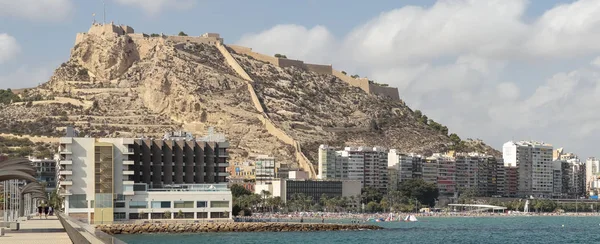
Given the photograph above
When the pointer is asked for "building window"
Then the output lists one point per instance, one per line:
(139, 187)
(119, 204)
(184, 215)
(161, 204)
(77, 201)
(138, 216)
(184, 204)
(127, 188)
(219, 215)
(120, 197)
(104, 200)
(201, 204)
(138, 204)
(219, 204)
(202, 215)
(119, 215)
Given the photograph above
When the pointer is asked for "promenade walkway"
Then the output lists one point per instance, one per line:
(35, 230)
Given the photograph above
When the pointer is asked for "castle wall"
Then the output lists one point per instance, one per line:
(194, 39)
(261, 57)
(284, 62)
(319, 68)
(360, 83)
(127, 29)
(390, 92)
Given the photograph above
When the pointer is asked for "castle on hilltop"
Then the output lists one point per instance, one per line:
(365, 84)
(120, 30)
(362, 83)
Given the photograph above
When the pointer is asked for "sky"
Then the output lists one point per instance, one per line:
(495, 70)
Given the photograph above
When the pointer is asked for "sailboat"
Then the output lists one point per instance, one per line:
(410, 218)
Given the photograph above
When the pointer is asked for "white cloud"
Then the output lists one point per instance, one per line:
(9, 47)
(296, 42)
(39, 10)
(566, 30)
(154, 6)
(25, 77)
(468, 64)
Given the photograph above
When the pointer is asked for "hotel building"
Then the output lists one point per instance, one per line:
(177, 176)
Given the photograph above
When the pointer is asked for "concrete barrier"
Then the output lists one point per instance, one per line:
(80, 232)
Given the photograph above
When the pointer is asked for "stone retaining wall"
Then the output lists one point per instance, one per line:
(228, 227)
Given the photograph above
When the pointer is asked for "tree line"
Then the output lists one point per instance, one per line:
(410, 196)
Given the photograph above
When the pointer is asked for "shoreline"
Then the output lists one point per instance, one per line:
(115, 229)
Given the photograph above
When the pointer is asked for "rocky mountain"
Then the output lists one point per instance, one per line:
(133, 85)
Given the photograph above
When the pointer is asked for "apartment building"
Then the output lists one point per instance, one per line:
(535, 168)
(478, 172)
(45, 172)
(400, 167)
(429, 170)
(111, 179)
(332, 165)
(264, 168)
(446, 177)
(592, 176)
(365, 164)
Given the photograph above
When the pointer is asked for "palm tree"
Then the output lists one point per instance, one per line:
(265, 194)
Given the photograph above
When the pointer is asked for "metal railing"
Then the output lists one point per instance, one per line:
(80, 232)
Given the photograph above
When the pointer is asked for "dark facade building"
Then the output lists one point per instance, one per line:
(178, 161)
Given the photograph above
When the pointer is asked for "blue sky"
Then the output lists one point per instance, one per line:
(495, 69)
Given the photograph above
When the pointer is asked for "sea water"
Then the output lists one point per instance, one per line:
(534, 229)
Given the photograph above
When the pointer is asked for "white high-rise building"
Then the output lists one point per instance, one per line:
(332, 165)
(365, 164)
(592, 176)
(535, 167)
(400, 167)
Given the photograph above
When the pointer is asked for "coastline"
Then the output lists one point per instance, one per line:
(114, 229)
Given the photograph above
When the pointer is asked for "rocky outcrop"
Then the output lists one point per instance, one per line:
(228, 227)
(105, 56)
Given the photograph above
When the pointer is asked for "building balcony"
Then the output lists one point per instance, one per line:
(128, 193)
(65, 162)
(65, 172)
(128, 182)
(65, 152)
(128, 141)
(64, 192)
(128, 172)
(128, 151)
(66, 183)
(66, 140)
(127, 162)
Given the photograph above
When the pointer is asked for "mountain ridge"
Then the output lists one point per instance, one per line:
(129, 84)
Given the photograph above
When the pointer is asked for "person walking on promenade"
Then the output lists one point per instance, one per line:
(40, 211)
(51, 211)
(46, 212)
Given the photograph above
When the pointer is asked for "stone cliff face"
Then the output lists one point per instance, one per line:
(125, 86)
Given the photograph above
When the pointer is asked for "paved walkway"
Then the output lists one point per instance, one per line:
(35, 230)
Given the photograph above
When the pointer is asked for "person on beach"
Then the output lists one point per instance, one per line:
(40, 211)
(46, 212)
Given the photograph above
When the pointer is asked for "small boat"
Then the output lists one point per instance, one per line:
(410, 218)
